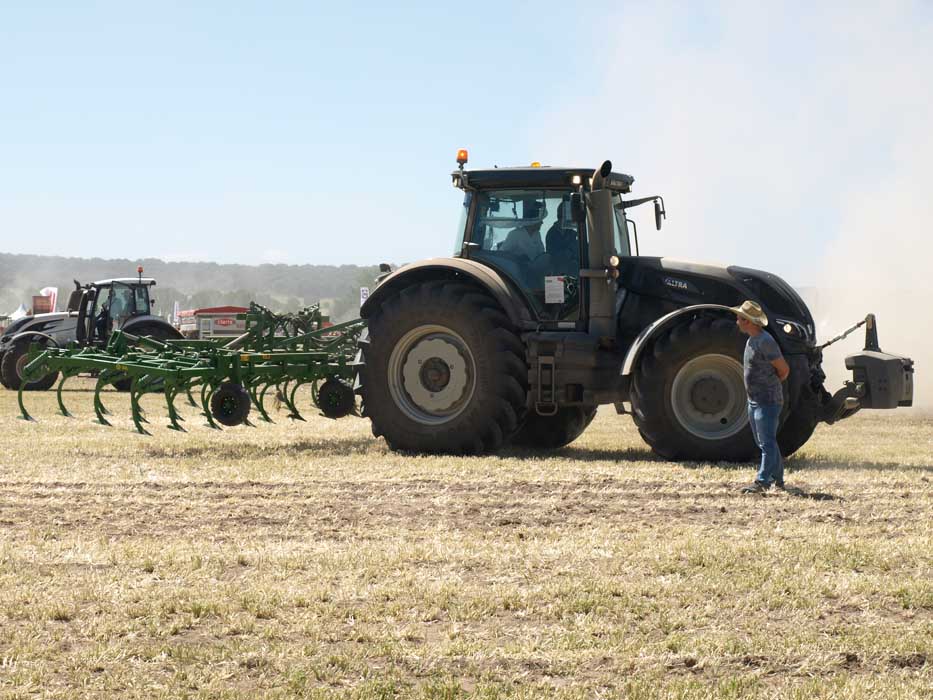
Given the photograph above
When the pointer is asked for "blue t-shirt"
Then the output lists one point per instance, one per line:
(761, 380)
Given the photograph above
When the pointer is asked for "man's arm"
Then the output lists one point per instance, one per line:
(781, 368)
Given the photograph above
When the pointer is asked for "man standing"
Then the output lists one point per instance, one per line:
(765, 369)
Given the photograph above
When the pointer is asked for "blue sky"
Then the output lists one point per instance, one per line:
(325, 133)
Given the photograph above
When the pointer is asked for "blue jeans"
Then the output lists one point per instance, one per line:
(764, 419)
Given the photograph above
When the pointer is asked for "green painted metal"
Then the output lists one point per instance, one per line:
(280, 351)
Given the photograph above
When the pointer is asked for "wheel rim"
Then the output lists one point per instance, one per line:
(708, 397)
(21, 363)
(432, 374)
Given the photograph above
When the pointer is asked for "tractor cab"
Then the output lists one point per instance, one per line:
(548, 231)
(109, 305)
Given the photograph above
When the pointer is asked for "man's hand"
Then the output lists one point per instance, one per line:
(781, 368)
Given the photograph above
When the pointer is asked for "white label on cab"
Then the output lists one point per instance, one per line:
(554, 290)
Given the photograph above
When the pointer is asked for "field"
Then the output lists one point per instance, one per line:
(306, 560)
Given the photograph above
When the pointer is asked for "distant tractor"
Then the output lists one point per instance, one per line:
(547, 311)
(94, 312)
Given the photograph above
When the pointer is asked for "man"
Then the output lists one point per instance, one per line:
(765, 369)
(526, 240)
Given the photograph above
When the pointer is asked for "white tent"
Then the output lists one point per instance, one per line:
(19, 313)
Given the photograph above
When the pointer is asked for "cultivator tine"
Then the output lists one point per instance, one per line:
(135, 392)
(258, 398)
(24, 414)
(191, 401)
(261, 404)
(207, 391)
(66, 375)
(295, 413)
(173, 417)
(106, 377)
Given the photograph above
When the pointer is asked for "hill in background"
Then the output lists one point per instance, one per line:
(192, 284)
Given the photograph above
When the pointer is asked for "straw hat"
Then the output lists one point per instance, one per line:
(751, 311)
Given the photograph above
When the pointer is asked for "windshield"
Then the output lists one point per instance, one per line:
(530, 236)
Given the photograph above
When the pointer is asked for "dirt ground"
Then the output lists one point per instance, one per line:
(306, 560)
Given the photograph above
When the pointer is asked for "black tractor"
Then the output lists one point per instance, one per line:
(94, 311)
(547, 311)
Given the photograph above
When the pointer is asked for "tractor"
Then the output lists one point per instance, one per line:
(94, 311)
(546, 311)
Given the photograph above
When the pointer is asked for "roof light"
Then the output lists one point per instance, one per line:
(576, 180)
(536, 164)
(462, 156)
(614, 261)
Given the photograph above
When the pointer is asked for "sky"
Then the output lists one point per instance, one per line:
(781, 135)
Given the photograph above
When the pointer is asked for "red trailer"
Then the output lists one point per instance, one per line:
(212, 322)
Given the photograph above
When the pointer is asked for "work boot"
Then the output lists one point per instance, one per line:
(756, 487)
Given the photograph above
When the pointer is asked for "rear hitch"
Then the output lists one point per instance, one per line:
(879, 379)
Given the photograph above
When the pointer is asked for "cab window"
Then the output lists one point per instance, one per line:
(142, 300)
(531, 237)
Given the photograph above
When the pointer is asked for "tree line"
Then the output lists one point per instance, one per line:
(192, 284)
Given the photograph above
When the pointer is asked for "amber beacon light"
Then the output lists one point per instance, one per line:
(462, 156)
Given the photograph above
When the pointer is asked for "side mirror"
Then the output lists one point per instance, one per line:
(659, 213)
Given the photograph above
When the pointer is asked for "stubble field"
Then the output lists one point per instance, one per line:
(306, 560)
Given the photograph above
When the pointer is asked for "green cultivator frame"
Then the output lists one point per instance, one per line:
(225, 378)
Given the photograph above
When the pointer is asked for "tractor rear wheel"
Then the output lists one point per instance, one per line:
(443, 370)
(551, 432)
(688, 396)
(12, 366)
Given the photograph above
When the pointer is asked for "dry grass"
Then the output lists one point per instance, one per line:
(305, 560)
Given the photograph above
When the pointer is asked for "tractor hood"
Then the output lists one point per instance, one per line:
(683, 283)
(44, 323)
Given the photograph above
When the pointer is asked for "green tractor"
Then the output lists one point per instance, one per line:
(547, 311)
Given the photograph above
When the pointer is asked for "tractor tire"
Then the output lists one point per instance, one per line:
(154, 331)
(2, 380)
(230, 404)
(551, 432)
(688, 394)
(14, 360)
(799, 424)
(336, 399)
(443, 370)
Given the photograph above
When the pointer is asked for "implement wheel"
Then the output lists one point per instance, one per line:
(230, 404)
(550, 432)
(688, 397)
(12, 366)
(443, 370)
(336, 399)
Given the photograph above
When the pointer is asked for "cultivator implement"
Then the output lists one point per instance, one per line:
(276, 356)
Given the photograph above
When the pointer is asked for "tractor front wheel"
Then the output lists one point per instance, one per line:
(688, 397)
(11, 368)
(443, 370)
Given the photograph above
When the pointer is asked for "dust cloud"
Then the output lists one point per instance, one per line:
(790, 138)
